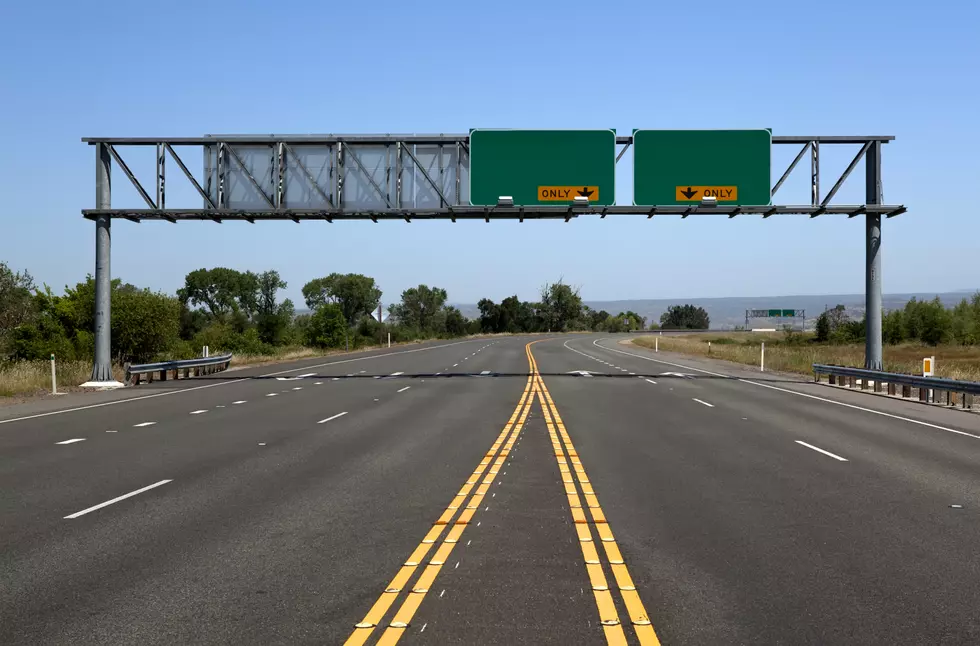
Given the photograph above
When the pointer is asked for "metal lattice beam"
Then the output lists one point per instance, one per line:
(218, 200)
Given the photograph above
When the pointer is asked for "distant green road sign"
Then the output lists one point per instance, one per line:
(681, 167)
(542, 167)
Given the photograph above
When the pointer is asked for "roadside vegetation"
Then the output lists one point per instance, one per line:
(920, 329)
(243, 312)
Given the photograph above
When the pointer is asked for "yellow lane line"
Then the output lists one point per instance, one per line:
(642, 625)
(404, 615)
(363, 629)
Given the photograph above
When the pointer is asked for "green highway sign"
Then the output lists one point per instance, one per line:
(542, 167)
(682, 167)
(762, 314)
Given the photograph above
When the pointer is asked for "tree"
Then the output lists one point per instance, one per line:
(356, 294)
(633, 321)
(456, 323)
(419, 307)
(489, 316)
(560, 305)
(823, 328)
(687, 317)
(272, 319)
(222, 291)
(16, 303)
(327, 327)
(144, 323)
(891, 327)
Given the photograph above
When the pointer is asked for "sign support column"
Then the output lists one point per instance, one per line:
(872, 278)
(102, 364)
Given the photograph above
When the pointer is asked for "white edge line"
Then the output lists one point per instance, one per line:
(810, 446)
(225, 383)
(404, 389)
(703, 402)
(72, 441)
(332, 418)
(309, 374)
(395, 374)
(791, 392)
(122, 497)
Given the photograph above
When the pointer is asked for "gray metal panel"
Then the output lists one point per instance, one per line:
(366, 178)
(318, 160)
(260, 163)
(440, 164)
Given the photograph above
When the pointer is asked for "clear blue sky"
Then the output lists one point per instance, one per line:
(189, 68)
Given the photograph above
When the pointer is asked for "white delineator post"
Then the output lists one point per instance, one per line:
(656, 344)
(762, 358)
(54, 378)
(389, 339)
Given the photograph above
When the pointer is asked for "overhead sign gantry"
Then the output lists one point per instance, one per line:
(256, 178)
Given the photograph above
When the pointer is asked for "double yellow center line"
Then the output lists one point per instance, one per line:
(487, 469)
(564, 453)
(395, 630)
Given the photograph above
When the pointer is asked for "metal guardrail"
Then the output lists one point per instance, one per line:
(928, 389)
(189, 367)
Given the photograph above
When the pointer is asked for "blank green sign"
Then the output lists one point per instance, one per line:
(679, 167)
(542, 167)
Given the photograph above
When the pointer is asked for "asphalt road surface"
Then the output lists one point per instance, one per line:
(563, 490)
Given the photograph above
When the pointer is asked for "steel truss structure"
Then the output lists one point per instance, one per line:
(391, 177)
(254, 178)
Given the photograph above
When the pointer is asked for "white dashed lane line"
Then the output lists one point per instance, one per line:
(143, 424)
(198, 412)
(240, 401)
(404, 389)
(272, 394)
(115, 500)
(651, 381)
(703, 402)
(72, 441)
(332, 418)
(819, 450)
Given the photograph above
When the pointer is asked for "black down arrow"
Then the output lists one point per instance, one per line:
(585, 192)
(689, 193)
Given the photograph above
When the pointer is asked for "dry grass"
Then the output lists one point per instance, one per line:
(34, 377)
(29, 378)
(952, 361)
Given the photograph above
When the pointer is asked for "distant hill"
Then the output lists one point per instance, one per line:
(728, 312)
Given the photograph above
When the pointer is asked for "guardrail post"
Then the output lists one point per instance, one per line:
(891, 389)
(877, 386)
(906, 391)
(967, 400)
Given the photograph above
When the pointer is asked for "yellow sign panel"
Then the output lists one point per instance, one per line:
(697, 193)
(567, 193)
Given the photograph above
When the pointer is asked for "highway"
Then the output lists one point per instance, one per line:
(567, 489)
